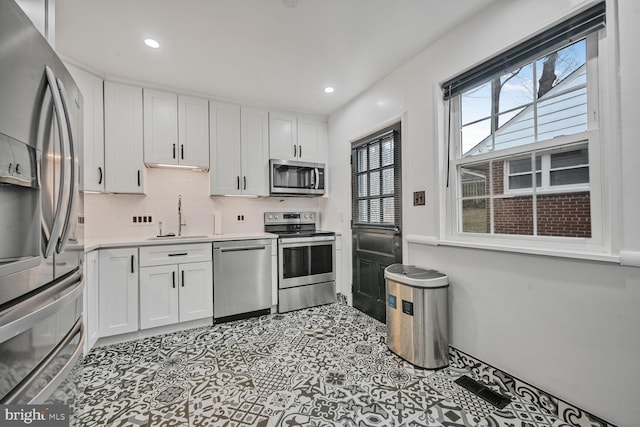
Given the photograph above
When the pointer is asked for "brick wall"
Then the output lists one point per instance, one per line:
(562, 214)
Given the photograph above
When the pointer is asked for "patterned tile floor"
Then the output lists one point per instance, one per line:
(324, 366)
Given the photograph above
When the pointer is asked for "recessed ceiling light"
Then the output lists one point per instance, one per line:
(152, 43)
(328, 89)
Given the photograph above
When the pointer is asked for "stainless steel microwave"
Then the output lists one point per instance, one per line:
(294, 178)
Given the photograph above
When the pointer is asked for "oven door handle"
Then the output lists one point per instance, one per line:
(295, 241)
(24, 385)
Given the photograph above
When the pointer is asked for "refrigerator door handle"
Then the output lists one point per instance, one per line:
(48, 241)
(64, 236)
(29, 312)
(16, 394)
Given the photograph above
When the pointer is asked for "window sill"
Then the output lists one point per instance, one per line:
(571, 254)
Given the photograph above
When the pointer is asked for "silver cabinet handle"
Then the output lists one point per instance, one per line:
(66, 228)
(243, 248)
(132, 259)
(299, 151)
(33, 376)
(100, 172)
(48, 241)
(294, 150)
(182, 273)
(174, 152)
(173, 279)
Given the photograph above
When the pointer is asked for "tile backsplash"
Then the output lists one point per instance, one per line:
(109, 215)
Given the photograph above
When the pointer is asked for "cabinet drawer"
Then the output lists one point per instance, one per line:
(174, 254)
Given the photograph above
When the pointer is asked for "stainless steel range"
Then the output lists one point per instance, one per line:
(306, 260)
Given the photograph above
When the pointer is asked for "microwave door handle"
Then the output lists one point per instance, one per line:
(57, 105)
(64, 236)
(317, 172)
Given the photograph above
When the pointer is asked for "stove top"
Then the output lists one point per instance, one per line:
(293, 224)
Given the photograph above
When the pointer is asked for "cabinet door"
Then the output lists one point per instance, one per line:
(161, 127)
(283, 136)
(158, 296)
(123, 139)
(92, 146)
(312, 136)
(118, 291)
(255, 152)
(225, 172)
(193, 131)
(91, 308)
(196, 291)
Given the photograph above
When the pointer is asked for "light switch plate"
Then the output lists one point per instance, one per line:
(419, 198)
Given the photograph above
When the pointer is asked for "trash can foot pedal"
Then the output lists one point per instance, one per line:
(483, 392)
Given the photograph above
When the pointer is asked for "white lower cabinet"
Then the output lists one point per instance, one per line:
(118, 291)
(172, 292)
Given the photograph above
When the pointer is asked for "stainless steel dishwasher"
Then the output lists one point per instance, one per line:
(241, 279)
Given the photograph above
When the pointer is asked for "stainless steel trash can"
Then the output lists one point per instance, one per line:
(418, 315)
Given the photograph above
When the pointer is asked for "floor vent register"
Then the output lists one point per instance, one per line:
(482, 391)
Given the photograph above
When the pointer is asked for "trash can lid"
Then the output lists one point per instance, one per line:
(414, 276)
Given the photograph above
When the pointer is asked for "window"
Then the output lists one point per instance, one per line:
(523, 137)
(375, 171)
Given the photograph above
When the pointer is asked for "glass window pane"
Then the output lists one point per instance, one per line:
(564, 215)
(475, 216)
(374, 183)
(388, 210)
(570, 158)
(516, 88)
(474, 180)
(387, 152)
(362, 160)
(519, 181)
(564, 114)
(524, 165)
(570, 176)
(374, 156)
(476, 138)
(363, 211)
(387, 181)
(363, 187)
(513, 215)
(560, 68)
(374, 206)
(476, 103)
(516, 131)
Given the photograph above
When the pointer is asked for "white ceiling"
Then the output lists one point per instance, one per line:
(256, 51)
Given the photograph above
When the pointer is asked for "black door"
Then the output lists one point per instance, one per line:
(376, 213)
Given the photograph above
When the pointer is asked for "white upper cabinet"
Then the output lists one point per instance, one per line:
(160, 127)
(193, 131)
(123, 151)
(312, 140)
(92, 146)
(255, 151)
(176, 129)
(239, 150)
(283, 136)
(293, 137)
(226, 162)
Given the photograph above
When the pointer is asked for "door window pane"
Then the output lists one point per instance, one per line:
(374, 156)
(363, 187)
(361, 159)
(387, 152)
(387, 181)
(374, 183)
(388, 210)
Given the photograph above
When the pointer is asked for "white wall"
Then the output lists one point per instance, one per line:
(570, 327)
(108, 215)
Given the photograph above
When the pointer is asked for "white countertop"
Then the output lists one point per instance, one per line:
(122, 242)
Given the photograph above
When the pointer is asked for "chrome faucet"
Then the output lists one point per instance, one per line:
(180, 223)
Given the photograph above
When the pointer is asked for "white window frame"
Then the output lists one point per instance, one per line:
(598, 246)
(545, 186)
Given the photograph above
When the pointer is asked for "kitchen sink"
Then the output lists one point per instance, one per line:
(192, 236)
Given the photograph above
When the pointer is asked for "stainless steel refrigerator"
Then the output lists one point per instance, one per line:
(41, 251)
